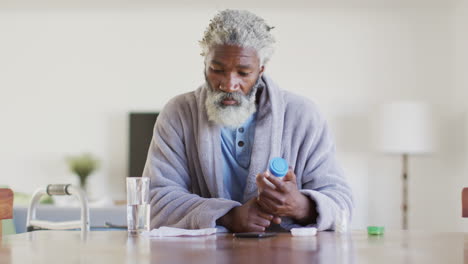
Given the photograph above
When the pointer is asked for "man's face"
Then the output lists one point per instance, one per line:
(232, 75)
(232, 69)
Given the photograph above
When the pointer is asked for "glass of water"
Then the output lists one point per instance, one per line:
(138, 208)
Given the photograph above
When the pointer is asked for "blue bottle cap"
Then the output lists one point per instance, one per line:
(278, 167)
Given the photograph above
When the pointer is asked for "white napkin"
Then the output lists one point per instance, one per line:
(165, 231)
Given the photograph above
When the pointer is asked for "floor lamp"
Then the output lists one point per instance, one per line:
(405, 128)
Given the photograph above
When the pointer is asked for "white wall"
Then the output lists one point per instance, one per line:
(69, 77)
(461, 96)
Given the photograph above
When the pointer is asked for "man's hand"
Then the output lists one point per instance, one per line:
(285, 199)
(246, 218)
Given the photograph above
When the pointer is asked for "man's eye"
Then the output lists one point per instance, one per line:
(217, 70)
(244, 74)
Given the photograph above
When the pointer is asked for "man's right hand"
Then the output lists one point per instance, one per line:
(246, 218)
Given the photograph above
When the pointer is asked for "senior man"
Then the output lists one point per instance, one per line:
(211, 147)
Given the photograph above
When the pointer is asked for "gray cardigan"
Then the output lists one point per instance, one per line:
(185, 167)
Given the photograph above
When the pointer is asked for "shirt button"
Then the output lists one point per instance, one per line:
(240, 143)
(241, 130)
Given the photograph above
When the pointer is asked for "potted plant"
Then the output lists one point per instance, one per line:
(83, 165)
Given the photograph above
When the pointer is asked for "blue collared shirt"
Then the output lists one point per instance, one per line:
(236, 146)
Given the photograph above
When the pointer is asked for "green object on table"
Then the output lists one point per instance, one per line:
(375, 230)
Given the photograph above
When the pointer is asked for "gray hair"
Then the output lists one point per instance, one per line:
(241, 28)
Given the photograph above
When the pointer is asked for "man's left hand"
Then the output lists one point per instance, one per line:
(285, 199)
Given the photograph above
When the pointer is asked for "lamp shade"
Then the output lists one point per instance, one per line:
(405, 128)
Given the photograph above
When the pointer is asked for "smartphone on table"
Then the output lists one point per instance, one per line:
(254, 234)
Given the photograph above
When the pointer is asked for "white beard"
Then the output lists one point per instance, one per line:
(231, 116)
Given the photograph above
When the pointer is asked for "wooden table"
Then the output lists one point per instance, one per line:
(326, 247)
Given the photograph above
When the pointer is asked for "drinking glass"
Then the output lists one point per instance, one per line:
(138, 207)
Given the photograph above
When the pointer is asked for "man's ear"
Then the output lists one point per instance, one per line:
(262, 69)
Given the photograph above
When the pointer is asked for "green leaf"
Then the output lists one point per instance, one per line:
(83, 165)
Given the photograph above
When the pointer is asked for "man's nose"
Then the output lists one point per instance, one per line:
(230, 84)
